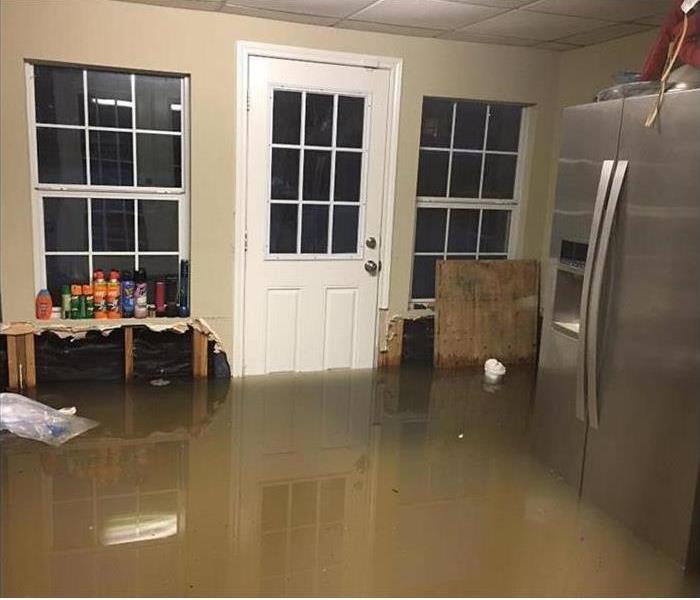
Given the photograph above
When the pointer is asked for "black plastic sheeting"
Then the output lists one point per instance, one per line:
(4, 375)
(165, 354)
(418, 341)
(93, 358)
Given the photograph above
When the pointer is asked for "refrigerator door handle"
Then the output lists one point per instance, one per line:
(596, 286)
(603, 186)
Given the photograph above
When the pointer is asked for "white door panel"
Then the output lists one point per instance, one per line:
(316, 148)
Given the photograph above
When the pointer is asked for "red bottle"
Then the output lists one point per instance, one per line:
(160, 298)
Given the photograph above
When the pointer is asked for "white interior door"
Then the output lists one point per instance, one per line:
(316, 148)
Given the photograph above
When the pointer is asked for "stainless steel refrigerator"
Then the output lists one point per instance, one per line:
(617, 408)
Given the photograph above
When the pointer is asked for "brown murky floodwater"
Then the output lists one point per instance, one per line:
(393, 483)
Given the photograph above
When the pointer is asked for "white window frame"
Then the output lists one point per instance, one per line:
(302, 146)
(88, 191)
(512, 205)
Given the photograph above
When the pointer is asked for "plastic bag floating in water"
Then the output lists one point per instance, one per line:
(33, 420)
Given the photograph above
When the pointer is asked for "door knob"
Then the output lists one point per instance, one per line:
(371, 267)
(371, 243)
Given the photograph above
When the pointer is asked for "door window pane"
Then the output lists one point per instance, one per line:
(436, 124)
(314, 229)
(58, 95)
(286, 117)
(494, 231)
(284, 184)
(348, 176)
(345, 224)
(159, 160)
(111, 158)
(317, 175)
(112, 225)
(464, 230)
(158, 102)
(499, 176)
(432, 173)
(466, 173)
(470, 123)
(283, 228)
(64, 270)
(158, 226)
(65, 224)
(109, 99)
(504, 127)
(60, 155)
(430, 229)
(319, 120)
(424, 276)
(351, 116)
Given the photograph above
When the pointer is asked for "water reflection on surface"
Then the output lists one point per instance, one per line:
(406, 482)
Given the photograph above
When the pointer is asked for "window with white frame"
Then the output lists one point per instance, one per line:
(468, 185)
(109, 164)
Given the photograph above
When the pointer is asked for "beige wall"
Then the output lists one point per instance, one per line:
(202, 44)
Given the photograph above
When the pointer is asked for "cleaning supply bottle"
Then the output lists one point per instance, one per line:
(140, 294)
(89, 301)
(65, 302)
(76, 290)
(171, 295)
(184, 300)
(44, 305)
(99, 290)
(128, 289)
(160, 298)
(113, 295)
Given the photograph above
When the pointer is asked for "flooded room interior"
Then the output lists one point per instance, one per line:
(349, 298)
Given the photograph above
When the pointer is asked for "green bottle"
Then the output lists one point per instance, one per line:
(65, 302)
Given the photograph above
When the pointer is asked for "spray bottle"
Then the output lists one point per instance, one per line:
(113, 295)
(128, 289)
(140, 294)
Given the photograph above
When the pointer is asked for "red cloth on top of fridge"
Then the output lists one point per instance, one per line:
(689, 53)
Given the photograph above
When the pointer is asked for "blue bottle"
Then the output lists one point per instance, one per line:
(128, 300)
(184, 299)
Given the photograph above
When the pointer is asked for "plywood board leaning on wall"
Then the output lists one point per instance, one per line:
(485, 309)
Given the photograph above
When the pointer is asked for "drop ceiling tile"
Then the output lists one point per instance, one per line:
(535, 26)
(193, 4)
(654, 20)
(498, 3)
(501, 40)
(610, 10)
(604, 34)
(277, 15)
(557, 46)
(319, 8)
(384, 28)
(429, 14)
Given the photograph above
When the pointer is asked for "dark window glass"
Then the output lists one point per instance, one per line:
(158, 226)
(424, 276)
(158, 102)
(120, 262)
(466, 173)
(112, 225)
(65, 224)
(159, 160)
(494, 231)
(317, 175)
(314, 229)
(348, 176)
(61, 155)
(432, 173)
(504, 127)
(285, 174)
(499, 176)
(351, 116)
(286, 117)
(464, 230)
(64, 270)
(283, 228)
(470, 123)
(157, 267)
(345, 222)
(430, 229)
(319, 120)
(109, 99)
(436, 124)
(58, 95)
(111, 158)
